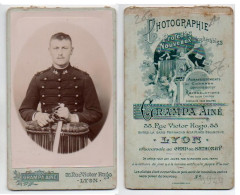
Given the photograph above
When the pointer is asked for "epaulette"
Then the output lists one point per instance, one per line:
(41, 72)
(82, 72)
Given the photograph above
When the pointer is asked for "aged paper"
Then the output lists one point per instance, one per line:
(61, 109)
(179, 98)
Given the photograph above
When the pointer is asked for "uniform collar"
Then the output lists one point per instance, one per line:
(61, 71)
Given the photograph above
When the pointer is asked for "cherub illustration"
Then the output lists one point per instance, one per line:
(185, 56)
(172, 87)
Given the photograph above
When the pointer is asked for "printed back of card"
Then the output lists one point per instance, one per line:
(61, 111)
(179, 131)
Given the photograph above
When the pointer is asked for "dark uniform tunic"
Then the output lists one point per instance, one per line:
(71, 86)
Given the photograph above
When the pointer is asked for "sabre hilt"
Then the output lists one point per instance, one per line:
(54, 115)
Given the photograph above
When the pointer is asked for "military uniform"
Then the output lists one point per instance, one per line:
(70, 86)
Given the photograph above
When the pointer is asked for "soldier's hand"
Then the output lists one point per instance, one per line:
(42, 118)
(63, 112)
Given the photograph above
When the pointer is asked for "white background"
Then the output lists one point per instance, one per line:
(118, 5)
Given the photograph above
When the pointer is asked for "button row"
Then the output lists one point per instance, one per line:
(59, 87)
(45, 103)
(59, 95)
(58, 79)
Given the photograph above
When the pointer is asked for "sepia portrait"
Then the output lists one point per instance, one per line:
(62, 88)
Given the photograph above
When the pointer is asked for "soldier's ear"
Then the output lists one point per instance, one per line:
(49, 45)
(72, 50)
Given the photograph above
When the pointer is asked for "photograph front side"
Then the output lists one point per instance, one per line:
(61, 105)
(68, 99)
(61, 87)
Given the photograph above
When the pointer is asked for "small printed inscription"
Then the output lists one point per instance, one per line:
(89, 177)
(31, 178)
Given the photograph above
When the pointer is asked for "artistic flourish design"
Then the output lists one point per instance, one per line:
(176, 56)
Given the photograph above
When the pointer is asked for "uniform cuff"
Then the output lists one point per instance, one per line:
(33, 116)
(74, 118)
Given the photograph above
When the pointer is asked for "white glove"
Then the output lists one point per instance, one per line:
(63, 112)
(42, 118)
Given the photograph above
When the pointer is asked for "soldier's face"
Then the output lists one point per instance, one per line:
(61, 51)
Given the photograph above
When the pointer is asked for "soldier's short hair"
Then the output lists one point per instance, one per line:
(61, 36)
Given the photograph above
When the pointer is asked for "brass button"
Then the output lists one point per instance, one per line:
(75, 110)
(59, 95)
(74, 78)
(77, 95)
(45, 110)
(45, 78)
(43, 87)
(76, 86)
(59, 87)
(59, 79)
(43, 95)
(43, 103)
(76, 103)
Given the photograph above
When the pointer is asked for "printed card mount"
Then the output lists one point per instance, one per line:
(61, 111)
(179, 81)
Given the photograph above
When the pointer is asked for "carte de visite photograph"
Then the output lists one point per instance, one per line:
(61, 96)
(179, 123)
